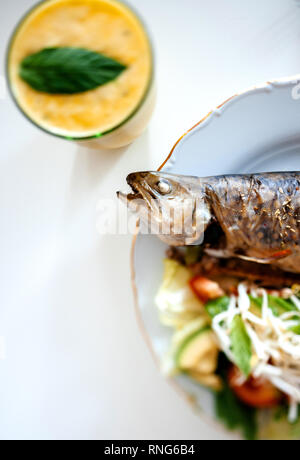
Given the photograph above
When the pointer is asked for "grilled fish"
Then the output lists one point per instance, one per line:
(259, 214)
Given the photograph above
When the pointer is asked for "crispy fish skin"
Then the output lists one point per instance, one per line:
(258, 213)
(260, 216)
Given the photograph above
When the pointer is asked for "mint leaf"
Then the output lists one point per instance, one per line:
(217, 306)
(241, 345)
(68, 70)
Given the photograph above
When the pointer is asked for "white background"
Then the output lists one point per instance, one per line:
(76, 365)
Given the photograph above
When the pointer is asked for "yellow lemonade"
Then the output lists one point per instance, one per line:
(104, 26)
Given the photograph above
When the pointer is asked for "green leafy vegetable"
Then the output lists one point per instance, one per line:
(285, 304)
(68, 70)
(241, 345)
(217, 306)
(233, 413)
(276, 304)
(296, 329)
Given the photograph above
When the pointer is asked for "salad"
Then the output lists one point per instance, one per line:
(237, 337)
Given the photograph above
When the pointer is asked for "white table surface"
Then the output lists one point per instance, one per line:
(75, 364)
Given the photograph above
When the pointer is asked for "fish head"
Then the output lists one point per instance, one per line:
(172, 207)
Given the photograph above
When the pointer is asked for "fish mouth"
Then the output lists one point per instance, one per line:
(131, 181)
(142, 201)
(140, 190)
(129, 197)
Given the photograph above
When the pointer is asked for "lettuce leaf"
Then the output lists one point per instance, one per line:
(175, 300)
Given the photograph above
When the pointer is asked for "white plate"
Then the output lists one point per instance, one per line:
(256, 131)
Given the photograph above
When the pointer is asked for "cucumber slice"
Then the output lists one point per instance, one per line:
(208, 362)
(198, 346)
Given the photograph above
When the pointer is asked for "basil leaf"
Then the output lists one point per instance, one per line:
(241, 345)
(68, 70)
(217, 306)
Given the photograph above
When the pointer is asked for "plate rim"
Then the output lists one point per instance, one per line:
(283, 81)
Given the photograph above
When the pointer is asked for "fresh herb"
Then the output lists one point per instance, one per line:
(68, 70)
(296, 329)
(278, 305)
(241, 345)
(217, 306)
(285, 304)
(232, 412)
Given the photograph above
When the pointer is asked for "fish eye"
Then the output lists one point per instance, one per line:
(163, 186)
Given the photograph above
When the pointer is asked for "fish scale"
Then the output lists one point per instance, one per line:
(270, 208)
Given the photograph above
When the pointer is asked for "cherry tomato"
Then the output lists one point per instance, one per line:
(259, 393)
(206, 289)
